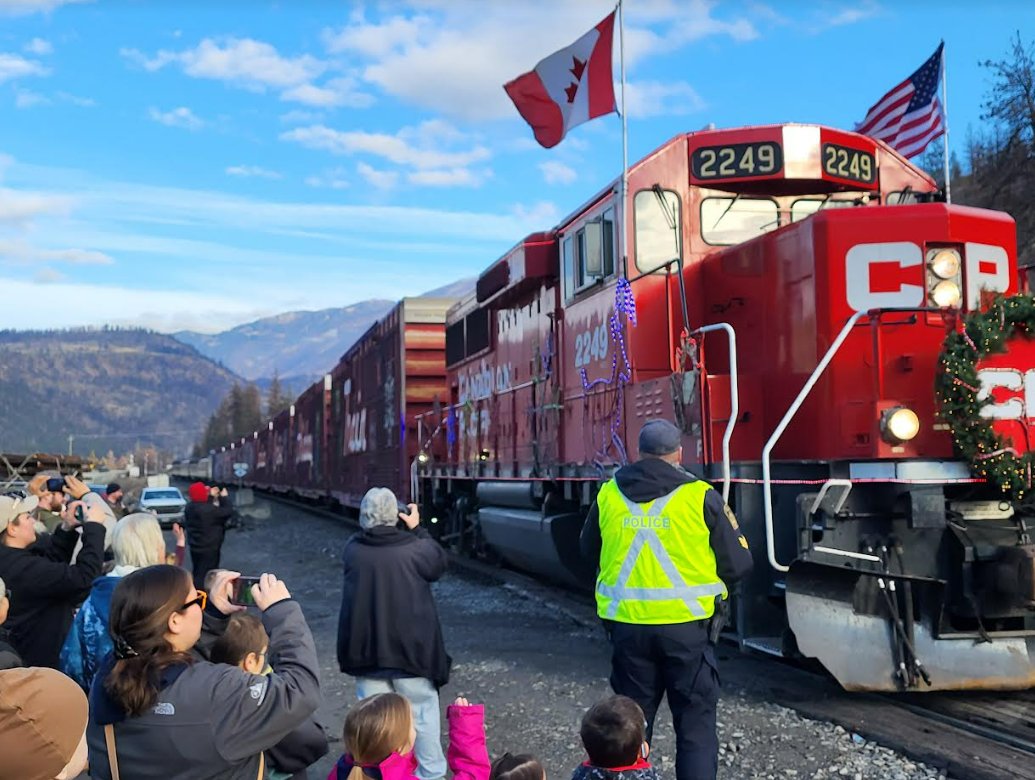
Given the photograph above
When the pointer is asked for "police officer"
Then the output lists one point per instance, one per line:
(668, 547)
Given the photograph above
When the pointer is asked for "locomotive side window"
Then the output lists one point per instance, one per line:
(588, 255)
(730, 220)
(803, 207)
(658, 231)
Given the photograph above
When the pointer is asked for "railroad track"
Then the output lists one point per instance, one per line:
(973, 735)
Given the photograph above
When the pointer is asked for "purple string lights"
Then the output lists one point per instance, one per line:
(625, 304)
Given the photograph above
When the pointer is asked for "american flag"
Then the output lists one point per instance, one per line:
(910, 116)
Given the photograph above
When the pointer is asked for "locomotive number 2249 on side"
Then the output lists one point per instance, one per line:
(847, 163)
(737, 161)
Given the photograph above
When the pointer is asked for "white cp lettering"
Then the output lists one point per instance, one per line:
(1011, 379)
(860, 262)
(988, 268)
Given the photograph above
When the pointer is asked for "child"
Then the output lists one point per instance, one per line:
(613, 733)
(379, 736)
(244, 644)
(520, 767)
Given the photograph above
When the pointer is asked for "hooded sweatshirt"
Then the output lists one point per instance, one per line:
(88, 641)
(467, 755)
(653, 478)
(211, 720)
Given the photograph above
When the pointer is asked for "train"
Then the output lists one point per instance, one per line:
(845, 353)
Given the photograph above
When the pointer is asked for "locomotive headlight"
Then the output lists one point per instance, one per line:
(422, 458)
(899, 424)
(945, 263)
(946, 294)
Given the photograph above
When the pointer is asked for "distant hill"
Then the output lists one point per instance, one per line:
(301, 345)
(110, 388)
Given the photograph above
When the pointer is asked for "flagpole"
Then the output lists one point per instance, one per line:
(945, 113)
(625, 143)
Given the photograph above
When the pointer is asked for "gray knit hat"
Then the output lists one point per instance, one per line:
(378, 507)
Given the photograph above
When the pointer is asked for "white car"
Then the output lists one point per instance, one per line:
(165, 502)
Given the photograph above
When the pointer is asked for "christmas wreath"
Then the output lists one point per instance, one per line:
(957, 386)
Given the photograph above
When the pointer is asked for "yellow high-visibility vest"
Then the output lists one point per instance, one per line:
(656, 563)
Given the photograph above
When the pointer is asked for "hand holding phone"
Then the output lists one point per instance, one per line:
(241, 591)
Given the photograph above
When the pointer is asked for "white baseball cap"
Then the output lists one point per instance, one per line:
(11, 507)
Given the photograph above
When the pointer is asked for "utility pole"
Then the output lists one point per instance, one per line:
(71, 438)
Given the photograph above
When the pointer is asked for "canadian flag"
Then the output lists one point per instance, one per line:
(569, 87)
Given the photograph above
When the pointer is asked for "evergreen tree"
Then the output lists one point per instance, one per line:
(278, 397)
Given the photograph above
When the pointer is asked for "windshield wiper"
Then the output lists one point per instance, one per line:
(727, 211)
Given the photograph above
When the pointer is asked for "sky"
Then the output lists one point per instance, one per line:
(199, 164)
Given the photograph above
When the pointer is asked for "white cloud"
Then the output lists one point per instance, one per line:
(20, 251)
(342, 91)
(25, 7)
(654, 98)
(178, 117)
(18, 207)
(76, 100)
(48, 276)
(39, 47)
(541, 213)
(23, 98)
(14, 66)
(425, 58)
(252, 171)
(410, 146)
(382, 180)
(332, 178)
(298, 116)
(555, 172)
(449, 177)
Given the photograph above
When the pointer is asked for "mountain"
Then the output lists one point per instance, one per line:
(300, 346)
(109, 388)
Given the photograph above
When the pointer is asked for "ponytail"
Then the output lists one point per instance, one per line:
(141, 606)
(375, 728)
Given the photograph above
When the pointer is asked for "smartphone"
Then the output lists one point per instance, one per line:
(80, 514)
(242, 591)
(55, 484)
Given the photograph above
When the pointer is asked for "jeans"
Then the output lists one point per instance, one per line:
(423, 698)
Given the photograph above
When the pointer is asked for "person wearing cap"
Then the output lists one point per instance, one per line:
(43, 717)
(47, 587)
(206, 527)
(50, 490)
(389, 635)
(113, 495)
(668, 547)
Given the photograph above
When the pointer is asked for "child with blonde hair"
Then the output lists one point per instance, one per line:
(379, 735)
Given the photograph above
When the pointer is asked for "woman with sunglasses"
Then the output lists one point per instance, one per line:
(159, 710)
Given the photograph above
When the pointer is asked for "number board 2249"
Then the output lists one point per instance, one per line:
(737, 161)
(843, 162)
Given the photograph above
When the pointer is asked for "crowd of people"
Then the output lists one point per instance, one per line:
(114, 659)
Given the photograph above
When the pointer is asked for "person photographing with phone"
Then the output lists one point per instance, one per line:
(389, 635)
(206, 526)
(159, 709)
(47, 586)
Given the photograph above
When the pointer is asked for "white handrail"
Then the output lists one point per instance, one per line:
(734, 402)
(767, 484)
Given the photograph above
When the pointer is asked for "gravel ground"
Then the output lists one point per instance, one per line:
(537, 666)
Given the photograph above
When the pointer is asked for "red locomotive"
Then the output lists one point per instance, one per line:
(786, 297)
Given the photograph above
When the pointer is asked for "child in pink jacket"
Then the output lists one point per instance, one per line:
(379, 736)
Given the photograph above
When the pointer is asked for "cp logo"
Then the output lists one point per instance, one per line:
(890, 274)
(1010, 379)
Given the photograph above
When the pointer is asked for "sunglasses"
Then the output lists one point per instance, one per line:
(201, 601)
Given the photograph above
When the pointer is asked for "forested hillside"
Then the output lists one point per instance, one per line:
(111, 389)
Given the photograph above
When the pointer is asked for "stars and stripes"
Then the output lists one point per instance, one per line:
(910, 116)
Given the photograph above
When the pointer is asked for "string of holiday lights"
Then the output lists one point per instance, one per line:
(625, 304)
(958, 387)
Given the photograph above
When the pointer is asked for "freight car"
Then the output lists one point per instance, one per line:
(357, 426)
(792, 296)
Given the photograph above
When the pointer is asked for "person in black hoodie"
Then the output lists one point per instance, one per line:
(668, 549)
(389, 636)
(9, 658)
(206, 525)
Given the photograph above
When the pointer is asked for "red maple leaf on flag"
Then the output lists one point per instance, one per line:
(577, 68)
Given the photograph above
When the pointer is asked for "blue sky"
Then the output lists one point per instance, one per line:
(200, 164)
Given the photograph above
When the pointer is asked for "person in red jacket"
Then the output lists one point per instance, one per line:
(379, 736)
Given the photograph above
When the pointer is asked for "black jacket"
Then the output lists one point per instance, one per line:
(388, 617)
(206, 525)
(653, 478)
(46, 589)
(9, 658)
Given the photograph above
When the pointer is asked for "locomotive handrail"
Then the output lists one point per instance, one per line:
(734, 401)
(767, 481)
